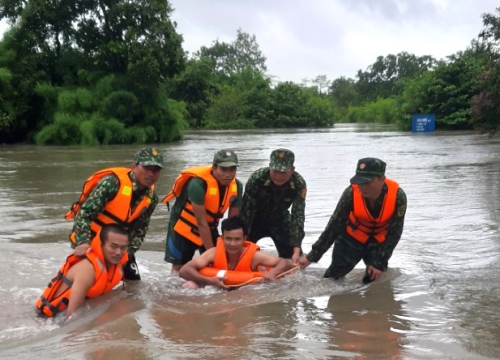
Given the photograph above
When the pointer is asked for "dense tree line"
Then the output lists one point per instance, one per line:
(113, 71)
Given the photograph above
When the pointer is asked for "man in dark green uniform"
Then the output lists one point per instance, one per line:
(189, 228)
(144, 173)
(366, 224)
(269, 193)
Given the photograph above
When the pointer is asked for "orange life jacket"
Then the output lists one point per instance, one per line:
(116, 211)
(242, 273)
(361, 224)
(245, 261)
(186, 225)
(104, 280)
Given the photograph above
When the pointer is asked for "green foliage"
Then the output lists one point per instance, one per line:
(104, 62)
(5, 106)
(385, 77)
(233, 124)
(382, 111)
(194, 87)
(121, 105)
(167, 118)
(319, 112)
(21, 105)
(486, 103)
(112, 72)
(141, 134)
(288, 101)
(447, 91)
(64, 131)
(229, 59)
(242, 102)
(343, 92)
(75, 101)
(110, 131)
(228, 106)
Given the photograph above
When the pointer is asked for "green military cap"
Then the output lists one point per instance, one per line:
(149, 157)
(281, 160)
(367, 169)
(225, 158)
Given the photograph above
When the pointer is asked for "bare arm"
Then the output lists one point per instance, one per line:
(201, 220)
(189, 271)
(82, 275)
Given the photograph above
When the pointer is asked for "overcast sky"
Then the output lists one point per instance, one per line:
(306, 38)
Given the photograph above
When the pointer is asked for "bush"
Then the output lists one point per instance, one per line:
(64, 131)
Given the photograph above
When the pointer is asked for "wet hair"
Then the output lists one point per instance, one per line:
(233, 223)
(112, 228)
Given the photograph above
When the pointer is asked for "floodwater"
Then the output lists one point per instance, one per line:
(439, 300)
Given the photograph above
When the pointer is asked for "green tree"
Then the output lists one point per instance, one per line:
(384, 77)
(73, 46)
(486, 104)
(322, 84)
(343, 92)
(230, 59)
(243, 102)
(288, 102)
(194, 86)
(447, 91)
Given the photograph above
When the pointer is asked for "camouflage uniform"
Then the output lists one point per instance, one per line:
(265, 205)
(347, 251)
(105, 190)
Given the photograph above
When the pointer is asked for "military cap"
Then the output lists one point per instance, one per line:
(225, 158)
(281, 160)
(367, 169)
(149, 157)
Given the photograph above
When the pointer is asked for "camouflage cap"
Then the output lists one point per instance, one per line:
(281, 160)
(149, 157)
(225, 158)
(367, 169)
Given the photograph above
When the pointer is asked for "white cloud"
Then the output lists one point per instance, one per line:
(303, 39)
(306, 38)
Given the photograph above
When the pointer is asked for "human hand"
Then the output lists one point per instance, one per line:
(219, 282)
(81, 249)
(268, 276)
(373, 273)
(296, 256)
(304, 262)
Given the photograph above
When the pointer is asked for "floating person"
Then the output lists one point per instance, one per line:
(233, 262)
(92, 275)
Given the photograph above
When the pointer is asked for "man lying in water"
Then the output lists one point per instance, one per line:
(95, 274)
(235, 254)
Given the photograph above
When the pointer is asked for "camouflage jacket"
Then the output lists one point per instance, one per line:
(337, 227)
(105, 190)
(263, 200)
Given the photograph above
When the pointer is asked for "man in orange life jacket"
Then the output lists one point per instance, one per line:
(232, 252)
(203, 194)
(123, 196)
(89, 276)
(366, 224)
